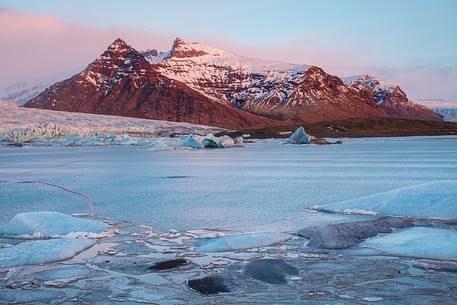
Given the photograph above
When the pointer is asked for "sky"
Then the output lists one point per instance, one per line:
(412, 43)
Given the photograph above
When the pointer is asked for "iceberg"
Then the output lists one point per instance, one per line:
(210, 141)
(239, 242)
(51, 224)
(193, 141)
(423, 242)
(436, 199)
(238, 140)
(43, 251)
(225, 141)
(299, 137)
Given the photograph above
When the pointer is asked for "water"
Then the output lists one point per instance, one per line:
(265, 182)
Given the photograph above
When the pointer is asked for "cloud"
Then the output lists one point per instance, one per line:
(37, 48)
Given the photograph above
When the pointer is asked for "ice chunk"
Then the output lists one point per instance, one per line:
(225, 141)
(299, 137)
(239, 242)
(421, 242)
(210, 141)
(43, 251)
(193, 141)
(437, 199)
(51, 224)
(238, 140)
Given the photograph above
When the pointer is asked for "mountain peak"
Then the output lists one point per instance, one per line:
(119, 45)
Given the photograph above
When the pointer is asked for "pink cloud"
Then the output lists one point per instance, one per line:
(37, 48)
(40, 48)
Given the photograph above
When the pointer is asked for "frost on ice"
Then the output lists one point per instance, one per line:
(51, 224)
(43, 251)
(436, 199)
(421, 242)
(240, 242)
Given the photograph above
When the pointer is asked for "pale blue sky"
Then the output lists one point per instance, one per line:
(403, 41)
(401, 31)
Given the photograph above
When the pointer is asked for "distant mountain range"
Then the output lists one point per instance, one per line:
(199, 84)
(447, 109)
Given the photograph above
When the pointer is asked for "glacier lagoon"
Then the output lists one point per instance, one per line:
(261, 183)
(166, 205)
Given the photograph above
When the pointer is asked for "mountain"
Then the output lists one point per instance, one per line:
(390, 98)
(447, 109)
(200, 84)
(275, 89)
(122, 82)
(21, 92)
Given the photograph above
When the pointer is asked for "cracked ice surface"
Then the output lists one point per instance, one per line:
(168, 201)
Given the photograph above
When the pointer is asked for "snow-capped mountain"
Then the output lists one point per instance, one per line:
(280, 89)
(21, 92)
(122, 82)
(390, 97)
(447, 109)
(199, 84)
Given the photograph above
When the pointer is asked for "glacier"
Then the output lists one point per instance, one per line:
(20, 124)
(47, 224)
(423, 242)
(43, 251)
(240, 242)
(436, 199)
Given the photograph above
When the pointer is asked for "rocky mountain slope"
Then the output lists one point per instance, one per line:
(122, 82)
(199, 84)
(447, 109)
(391, 98)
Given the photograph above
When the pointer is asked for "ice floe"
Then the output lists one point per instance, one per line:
(51, 224)
(436, 199)
(43, 251)
(239, 242)
(423, 242)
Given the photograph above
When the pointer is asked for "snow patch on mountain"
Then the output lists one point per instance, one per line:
(225, 76)
(380, 88)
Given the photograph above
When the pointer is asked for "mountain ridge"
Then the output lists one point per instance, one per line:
(199, 84)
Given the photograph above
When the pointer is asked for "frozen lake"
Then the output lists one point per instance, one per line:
(264, 182)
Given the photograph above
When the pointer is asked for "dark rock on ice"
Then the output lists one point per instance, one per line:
(212, 284)
(349, 234)
(169, 264)
(272, 271)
